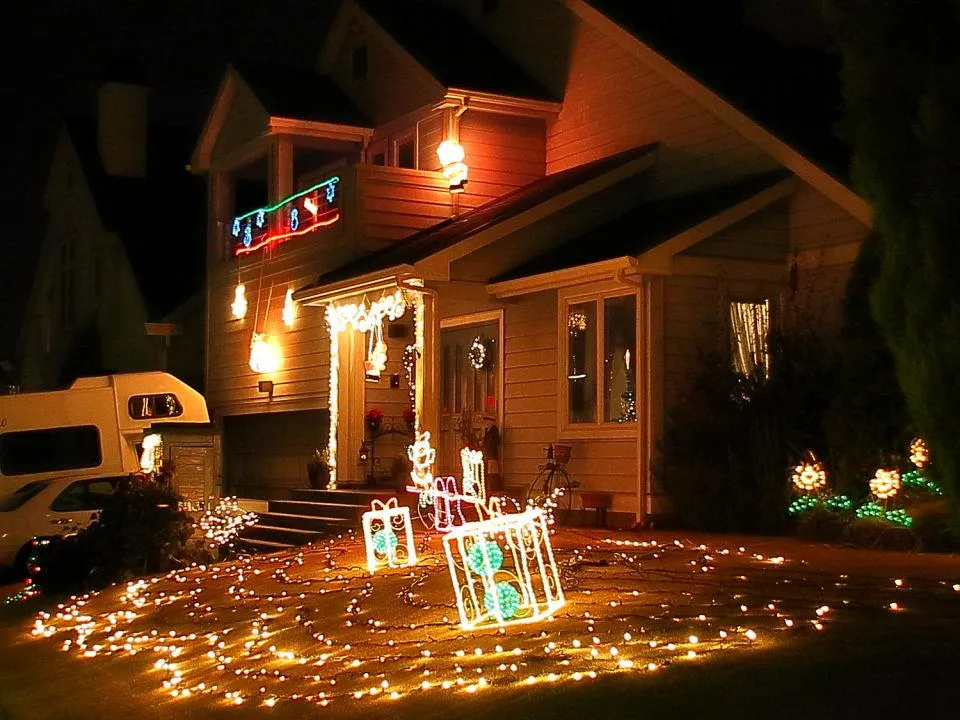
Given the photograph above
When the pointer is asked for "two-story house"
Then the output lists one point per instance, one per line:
(618, 216)
(118, 285)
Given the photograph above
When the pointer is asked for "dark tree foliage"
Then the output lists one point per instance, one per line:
(901, 77)
(140, 531)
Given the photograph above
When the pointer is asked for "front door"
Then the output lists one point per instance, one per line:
(470, 386)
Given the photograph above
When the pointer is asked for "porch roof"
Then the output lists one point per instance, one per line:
(448, 233)
(300, 94)
(644, 228)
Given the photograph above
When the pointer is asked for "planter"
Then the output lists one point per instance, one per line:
(373, 426)
(319, 477)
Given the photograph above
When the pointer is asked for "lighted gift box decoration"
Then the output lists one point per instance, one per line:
(382, 526)
(503, 570)
(442, 498)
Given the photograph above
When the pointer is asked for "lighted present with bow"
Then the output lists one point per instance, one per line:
(382, 526)
(502, 569)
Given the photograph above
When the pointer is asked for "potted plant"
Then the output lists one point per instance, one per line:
(318, 470)
(410, 418)
(374, 418)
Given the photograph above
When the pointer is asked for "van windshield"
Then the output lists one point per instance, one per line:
(19, 497)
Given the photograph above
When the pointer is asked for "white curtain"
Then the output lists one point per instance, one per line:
(749, 328)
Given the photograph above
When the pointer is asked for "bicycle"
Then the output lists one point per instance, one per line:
(553, 487)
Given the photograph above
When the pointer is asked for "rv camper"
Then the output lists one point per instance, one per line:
(95, 427)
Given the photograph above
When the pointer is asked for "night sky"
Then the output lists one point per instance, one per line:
(182, 46)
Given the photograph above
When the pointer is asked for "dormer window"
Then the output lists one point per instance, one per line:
(360, 62)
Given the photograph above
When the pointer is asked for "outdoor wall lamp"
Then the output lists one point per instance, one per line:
(265, 386)
(451, 160)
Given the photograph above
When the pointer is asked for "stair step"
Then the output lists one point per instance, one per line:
(305, 521)
(343, 511)
(263, 545)
(345, 496)
(288, 536)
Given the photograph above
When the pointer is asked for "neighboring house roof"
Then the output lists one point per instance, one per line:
(298, 93)
(447, 233)
(160, 219)
(645, 227)
(794, 92)
(451, 49)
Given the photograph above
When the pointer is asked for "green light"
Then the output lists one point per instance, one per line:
(802, 504)
(385, 541)
(899, 517)
(871, 510)
(839, 503)
(490, 564)
(916, 479)
(331, 181)
(504, 595)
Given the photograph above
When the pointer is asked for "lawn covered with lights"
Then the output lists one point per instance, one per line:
(649, 621)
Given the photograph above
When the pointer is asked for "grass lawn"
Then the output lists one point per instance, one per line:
(337, 633)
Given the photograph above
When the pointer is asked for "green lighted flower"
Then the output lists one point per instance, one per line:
(504, 595)
(385, 541)
(870, 510)
(803, 504)
(839, 503)
(899, 517)
(481, 565)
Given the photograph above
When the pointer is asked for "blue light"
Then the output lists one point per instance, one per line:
(331, 192)
(261, 218)
(294, 219)
(236, 227)
(247, 235)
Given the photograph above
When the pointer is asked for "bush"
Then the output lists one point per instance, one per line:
(728, 444)
(140, 531)
(823, 525)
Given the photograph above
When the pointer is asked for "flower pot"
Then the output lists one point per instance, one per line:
(319, 477)
(373, 425)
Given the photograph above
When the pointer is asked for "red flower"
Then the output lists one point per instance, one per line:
(375, 414)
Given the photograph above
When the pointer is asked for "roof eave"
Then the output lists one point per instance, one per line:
(504, 104)
(321, 294)
(565, 277)
(315, 128)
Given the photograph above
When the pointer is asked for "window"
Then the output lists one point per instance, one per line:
(360, 62)
(19, 497)
(406, 154)
(50, 450)
(143, 407)
(749, 329)
(84, 496)
(601, 348)
(380, 158)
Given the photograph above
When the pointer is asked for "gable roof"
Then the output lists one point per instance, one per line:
(448, 233)
(297, 93)
(126, 206)
(645, 227)
(718, 66)
(451, 49)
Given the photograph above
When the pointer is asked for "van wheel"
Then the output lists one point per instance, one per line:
(21, 561)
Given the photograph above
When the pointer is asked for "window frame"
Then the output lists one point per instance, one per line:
(598, 293)
(400, 139)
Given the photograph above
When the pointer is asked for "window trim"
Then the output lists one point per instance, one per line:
(595, 292)
(398, 140)
(772, 323)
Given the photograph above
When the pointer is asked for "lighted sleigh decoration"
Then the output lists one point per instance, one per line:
(442, 500)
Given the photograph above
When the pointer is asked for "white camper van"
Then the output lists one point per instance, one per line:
(94, 428)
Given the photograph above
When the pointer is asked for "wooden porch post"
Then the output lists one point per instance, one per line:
(350, 401)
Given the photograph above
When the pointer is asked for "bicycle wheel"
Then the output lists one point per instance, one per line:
(539, 489)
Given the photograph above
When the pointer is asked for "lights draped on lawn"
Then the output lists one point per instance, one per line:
(380, 527)
(312, 629)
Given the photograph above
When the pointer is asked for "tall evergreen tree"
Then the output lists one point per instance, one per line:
(901, 77)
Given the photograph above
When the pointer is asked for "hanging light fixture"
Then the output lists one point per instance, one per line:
(264, 354)
(451, 160)
(289, 313)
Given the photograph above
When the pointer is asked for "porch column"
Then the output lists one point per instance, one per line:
(350, 401)
(428, 370)
(281, 168)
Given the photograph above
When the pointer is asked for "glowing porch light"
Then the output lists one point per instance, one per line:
(239, 304)
(264, 354)
(289, 313)
(451, 160)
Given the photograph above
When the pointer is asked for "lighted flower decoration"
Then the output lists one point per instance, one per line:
(919, 452)
(885, 484)
(577, 321)
(809, 476)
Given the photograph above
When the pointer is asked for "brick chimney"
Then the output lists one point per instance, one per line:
(122, 124)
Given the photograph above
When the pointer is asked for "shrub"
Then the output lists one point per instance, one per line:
(141, 530)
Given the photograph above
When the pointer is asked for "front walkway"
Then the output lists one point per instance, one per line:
(308, 630)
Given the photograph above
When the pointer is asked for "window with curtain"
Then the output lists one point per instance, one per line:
(749, 330)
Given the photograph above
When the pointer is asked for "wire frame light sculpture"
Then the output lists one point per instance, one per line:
(383, 525)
